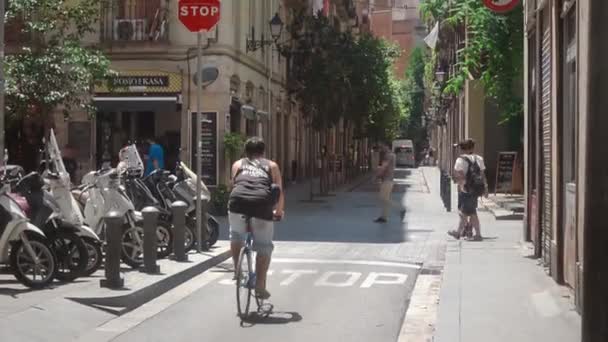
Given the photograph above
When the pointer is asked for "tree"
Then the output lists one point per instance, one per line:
(335, 76)
(413, 91)
(52, 68)
(493, 53)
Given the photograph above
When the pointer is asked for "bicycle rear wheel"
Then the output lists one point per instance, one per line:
(243, 282)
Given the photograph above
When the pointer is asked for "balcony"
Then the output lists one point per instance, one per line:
(135, 22)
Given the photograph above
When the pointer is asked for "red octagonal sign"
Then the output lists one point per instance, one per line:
(199, 15)
(501, 6)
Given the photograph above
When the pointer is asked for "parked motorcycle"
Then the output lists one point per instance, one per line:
(23, 245)
(184, 188)
(59, 185)
(44, 212)
(101, 193)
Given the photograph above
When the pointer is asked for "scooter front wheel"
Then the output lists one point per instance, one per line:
(72, 255)
(164, 235)
(95, 256)
(133, 246)
(33, 273)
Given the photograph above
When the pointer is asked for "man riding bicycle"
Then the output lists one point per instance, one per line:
(256, 200)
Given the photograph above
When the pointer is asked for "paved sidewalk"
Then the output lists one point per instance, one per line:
(495, 291)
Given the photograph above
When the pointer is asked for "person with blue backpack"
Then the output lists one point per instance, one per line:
(469, 174)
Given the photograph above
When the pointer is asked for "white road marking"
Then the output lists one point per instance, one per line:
(295, 274)
(389, 279)
(350, 281)
(345, 262)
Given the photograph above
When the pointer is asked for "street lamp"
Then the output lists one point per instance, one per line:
(276, 28)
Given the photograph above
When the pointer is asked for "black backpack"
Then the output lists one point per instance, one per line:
(474, 182)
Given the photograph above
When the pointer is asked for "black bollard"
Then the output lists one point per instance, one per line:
(113, 280)
(179, 230)
(150, 240)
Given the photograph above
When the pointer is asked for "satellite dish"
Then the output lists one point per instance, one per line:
(210, 74)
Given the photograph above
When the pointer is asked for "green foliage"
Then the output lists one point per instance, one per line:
(53, 68)
(336, 76)
(493, 53)
(233, 145)
(219, 199)
(413, 91)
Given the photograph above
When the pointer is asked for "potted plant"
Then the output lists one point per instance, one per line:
(219, 200)
(233, 145)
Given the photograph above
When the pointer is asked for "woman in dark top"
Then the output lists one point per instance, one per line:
(254, 180)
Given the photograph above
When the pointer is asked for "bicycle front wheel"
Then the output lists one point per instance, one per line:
(244, 286)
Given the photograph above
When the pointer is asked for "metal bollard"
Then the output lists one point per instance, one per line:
(113, 280)
(150, 240)
(179, 230)
(204, 225)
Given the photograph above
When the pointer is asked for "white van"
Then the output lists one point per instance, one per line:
(404, 152)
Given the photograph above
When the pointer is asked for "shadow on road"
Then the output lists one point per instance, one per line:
(348, 217)
(273, 318)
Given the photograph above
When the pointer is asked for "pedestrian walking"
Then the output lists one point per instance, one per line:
(469, 174)
(385, 174)
(156, 157)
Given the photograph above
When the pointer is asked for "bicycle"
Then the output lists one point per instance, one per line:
(246, 279)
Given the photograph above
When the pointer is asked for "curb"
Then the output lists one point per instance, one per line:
(120, 305)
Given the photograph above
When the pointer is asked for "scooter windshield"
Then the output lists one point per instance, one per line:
(130, 159)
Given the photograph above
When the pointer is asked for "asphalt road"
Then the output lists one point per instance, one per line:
(335, 276)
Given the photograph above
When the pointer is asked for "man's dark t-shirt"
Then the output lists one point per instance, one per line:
(251, 195)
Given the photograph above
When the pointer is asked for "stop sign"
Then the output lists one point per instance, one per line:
(501, 6)
(199, 15)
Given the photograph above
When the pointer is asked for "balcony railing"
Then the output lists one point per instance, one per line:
(124, 21)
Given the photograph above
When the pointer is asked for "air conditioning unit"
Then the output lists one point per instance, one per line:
(129, 29)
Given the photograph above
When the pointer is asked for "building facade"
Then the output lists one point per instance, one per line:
(566, 159)
(398, 22)
(553, 147)
(154, 94)
(469, 114)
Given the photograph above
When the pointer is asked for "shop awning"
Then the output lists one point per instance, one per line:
(136, 103)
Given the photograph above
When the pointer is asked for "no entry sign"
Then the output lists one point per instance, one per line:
(501, 6)
(199, 15)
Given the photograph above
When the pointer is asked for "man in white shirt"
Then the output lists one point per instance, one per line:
(469, 174)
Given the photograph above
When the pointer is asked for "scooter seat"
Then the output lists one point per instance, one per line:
(21, 203)
(30, 182)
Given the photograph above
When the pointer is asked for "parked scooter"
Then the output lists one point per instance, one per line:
(130, 169)
(101, 193)
(184, 188)
(58, 180)
(31, 257)
(44, 212)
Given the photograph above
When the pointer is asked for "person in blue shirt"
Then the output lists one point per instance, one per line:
(156, 157)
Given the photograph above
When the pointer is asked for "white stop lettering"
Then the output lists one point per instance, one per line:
(197, 10)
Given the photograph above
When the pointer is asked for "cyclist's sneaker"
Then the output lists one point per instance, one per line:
(262, 293)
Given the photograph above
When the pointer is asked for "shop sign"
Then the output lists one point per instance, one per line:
(209, 145)
(140, 81)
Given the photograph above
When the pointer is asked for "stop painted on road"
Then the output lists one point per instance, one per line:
(364, 280)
